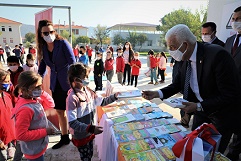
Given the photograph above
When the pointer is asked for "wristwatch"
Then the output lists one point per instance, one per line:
(199, 106)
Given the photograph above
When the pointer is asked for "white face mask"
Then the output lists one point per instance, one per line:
(13, 68)
(98, 58)
(119, 54)
(50, 38)
(136, 57)
(30, 62)
(207, 38)
(127, 46)
(236, 26)
(177, 54)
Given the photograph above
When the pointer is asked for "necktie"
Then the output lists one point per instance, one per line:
(187, 80)
(235, 46)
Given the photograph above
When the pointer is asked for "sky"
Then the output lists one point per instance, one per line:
(90, 13)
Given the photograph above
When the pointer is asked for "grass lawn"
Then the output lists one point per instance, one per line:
(145, 53)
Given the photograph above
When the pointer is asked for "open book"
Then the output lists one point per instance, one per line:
(175, 102)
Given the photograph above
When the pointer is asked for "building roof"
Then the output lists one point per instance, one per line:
(67, 26)
(134, 26)
(4, 20)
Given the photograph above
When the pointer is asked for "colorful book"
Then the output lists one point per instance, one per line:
(143, 156)
(172, 128)
(123, 119)
(121, 127)
(220, 157)
(124, 137)
(128, 94)
(173, 121)
(147, 124)
(175, 102)
(178, 136)
(167, 140)
(134, 102)
(157, 143)
(145, 109)
(139, 117)
(116, 113)
(134, 147)
(166, 153)
(135, 125)
(159, 122)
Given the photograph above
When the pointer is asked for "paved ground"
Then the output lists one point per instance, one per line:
(70, 153)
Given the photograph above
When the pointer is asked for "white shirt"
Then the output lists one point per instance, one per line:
(236, 38)
(193, 79)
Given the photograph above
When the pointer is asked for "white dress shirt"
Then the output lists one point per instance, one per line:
(193, 79)
(236, 38)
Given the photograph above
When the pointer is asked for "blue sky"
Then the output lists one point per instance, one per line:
(103, 12)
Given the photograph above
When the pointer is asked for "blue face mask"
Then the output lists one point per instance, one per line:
(5, 86)
(85, 82)
(36, 93)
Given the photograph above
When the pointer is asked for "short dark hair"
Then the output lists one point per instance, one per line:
(13, 59)
(98, 53)
(83, 47)
(237, 9)
(210, 24)
(118, 49)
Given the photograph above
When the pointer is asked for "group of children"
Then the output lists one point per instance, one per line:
(101, 68)
(22, 106)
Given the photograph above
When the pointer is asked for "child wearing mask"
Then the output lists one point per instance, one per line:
(30, 64)
(81, 105)
(120, 65)
(83, 58)
(153, 66)
(162, 66)
(14, 68)
(30, 120)
(98, 71)
(17, 52)
(109, 62)
(135, 68)
(7, 132)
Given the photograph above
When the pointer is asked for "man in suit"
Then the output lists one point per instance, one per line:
(233, 46)
(209, 34)
(209, 81)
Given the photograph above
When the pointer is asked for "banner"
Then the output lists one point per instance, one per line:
(46, 14)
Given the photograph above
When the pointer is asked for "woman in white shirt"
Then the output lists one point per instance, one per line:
(128, 56)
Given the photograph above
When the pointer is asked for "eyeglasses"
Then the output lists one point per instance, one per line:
(47, 33)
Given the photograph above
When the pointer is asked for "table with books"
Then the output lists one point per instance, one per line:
(136, 129)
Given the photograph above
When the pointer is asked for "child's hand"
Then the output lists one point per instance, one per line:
(2, 146)
(50, 131)
(116, 94)
(99, 75)
(98, 130)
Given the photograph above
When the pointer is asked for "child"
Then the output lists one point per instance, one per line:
(7, 132)
(76, 52)
(109, 69)
(162, 66)
(30, 120)
(1, 53)
(120, 65)
(81, 104)
(98, 71)
(14, 68)
(17, 52)
(30, 64)
(153, 65)
(135, 68)
(89, 51)
(83, 58)
(148, 65)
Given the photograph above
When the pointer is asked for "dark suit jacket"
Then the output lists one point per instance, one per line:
(63, 57)
(218, 42)
(218, 83)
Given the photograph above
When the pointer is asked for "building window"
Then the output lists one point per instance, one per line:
(11, 40)
(4, 40)
(75, 31)
(10, 29)
(149, 43)
(3, 28)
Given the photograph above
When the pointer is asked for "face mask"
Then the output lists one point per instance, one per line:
(136, 57)
(236, 26)
(50, 38)
(13, 68)
(98, 58)
(177, 54)
(30, 62)
(206, 38)
(5, 86)
(127, 46)
(119, 54)
(85, 82)
(36, 93)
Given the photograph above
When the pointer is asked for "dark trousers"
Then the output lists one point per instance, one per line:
(90, 59)
(8, 54)
(76, 58)
(86, 151)
(20, 59)
(162, 73)
(98, 82)
(132, 79)
(127, 71)
(1, 56)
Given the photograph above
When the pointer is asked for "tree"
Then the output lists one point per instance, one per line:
(30, 37)
(101, 33)
(83, 39)
(132, 38)
(181, 16)
(118, 39)
(65, 34)
(141, 38)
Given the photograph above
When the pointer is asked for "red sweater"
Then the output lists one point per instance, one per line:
(134, 69)
(153, 62)
(109, 64)
(89, 51)
(120, 64)
(76, 52)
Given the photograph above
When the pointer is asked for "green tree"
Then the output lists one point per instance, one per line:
(181, 16)
(101, 33)
(141, 38)
(83, 39)
(65, 34)
(118, 39)
(30, 37)
(132, 38)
